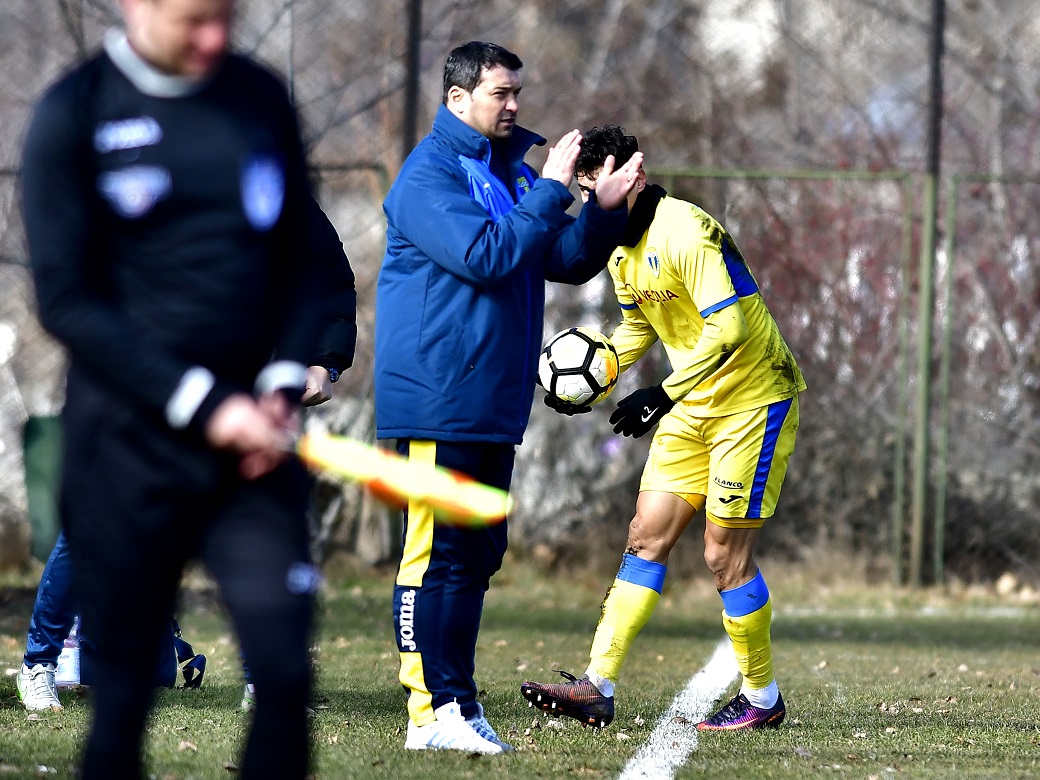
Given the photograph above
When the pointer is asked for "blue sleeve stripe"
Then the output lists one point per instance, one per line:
(720, 305)
(774, 423)
(629, 306)
(648, 574)
(747, 598)
(743, 282)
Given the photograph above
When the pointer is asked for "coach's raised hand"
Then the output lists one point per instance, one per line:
(559, 165)
(614, 187)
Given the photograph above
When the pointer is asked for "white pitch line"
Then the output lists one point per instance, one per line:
(675, 735)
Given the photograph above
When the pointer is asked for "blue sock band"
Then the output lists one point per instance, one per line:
(749, 597)
(649, 574)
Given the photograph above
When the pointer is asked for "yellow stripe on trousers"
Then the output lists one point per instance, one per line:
(418, 539)
(415, 560)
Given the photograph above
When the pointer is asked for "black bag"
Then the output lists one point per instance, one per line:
(177, 655)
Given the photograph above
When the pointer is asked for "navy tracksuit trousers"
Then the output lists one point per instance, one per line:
(441, 581)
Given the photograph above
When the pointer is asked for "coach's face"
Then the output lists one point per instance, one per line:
(492, 106)
(180, 37)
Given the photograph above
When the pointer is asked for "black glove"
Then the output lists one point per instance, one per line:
(640, 411)
(564, 407)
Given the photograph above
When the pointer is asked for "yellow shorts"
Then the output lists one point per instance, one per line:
(738, 461)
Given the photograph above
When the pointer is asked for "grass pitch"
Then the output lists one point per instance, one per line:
(879, 684)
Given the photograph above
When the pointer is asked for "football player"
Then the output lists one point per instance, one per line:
(726, 421)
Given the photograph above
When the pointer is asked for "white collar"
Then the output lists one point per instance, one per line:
(146, 77)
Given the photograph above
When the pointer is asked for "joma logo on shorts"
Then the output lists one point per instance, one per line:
(727, 484)
(406, 621)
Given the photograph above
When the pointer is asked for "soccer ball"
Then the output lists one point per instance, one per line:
(579, 366)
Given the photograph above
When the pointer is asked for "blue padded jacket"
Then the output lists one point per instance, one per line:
(461, 291)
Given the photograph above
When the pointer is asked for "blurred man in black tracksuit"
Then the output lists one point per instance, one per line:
(56, 606)
(167, 212)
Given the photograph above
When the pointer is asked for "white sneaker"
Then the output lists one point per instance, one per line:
(36, 688)
(480, 725)
(248, 698)
(449, 732)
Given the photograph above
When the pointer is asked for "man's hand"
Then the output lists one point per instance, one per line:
(559, 165)
(260, 431)
(563, 407)
(613, 187)
(319, 386)
(640, 411)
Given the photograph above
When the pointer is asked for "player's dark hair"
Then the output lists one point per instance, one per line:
(466, 63)
(600, 142)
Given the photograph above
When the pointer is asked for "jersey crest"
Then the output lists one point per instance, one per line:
(653, 261)
(263, 191)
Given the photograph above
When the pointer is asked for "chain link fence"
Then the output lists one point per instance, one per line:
(834, 253)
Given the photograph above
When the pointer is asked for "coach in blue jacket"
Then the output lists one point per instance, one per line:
(472, 236)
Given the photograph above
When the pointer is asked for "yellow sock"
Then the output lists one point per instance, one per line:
(626, 609)
(749, 631)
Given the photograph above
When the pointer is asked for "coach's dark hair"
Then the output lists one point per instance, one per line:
(466, 62)
(598, 143)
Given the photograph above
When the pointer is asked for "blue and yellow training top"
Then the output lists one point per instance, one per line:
(676, 268)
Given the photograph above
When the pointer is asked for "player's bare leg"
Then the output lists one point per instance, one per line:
(659, 521)
(746, 616)
(729, 554)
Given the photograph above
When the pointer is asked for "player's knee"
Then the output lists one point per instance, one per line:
(714, 558)
(646, 541)
(731, 567)
(723, 561)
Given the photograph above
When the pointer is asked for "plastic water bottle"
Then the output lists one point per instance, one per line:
(67, 673)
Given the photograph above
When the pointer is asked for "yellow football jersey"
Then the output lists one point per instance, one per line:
(684, 267)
